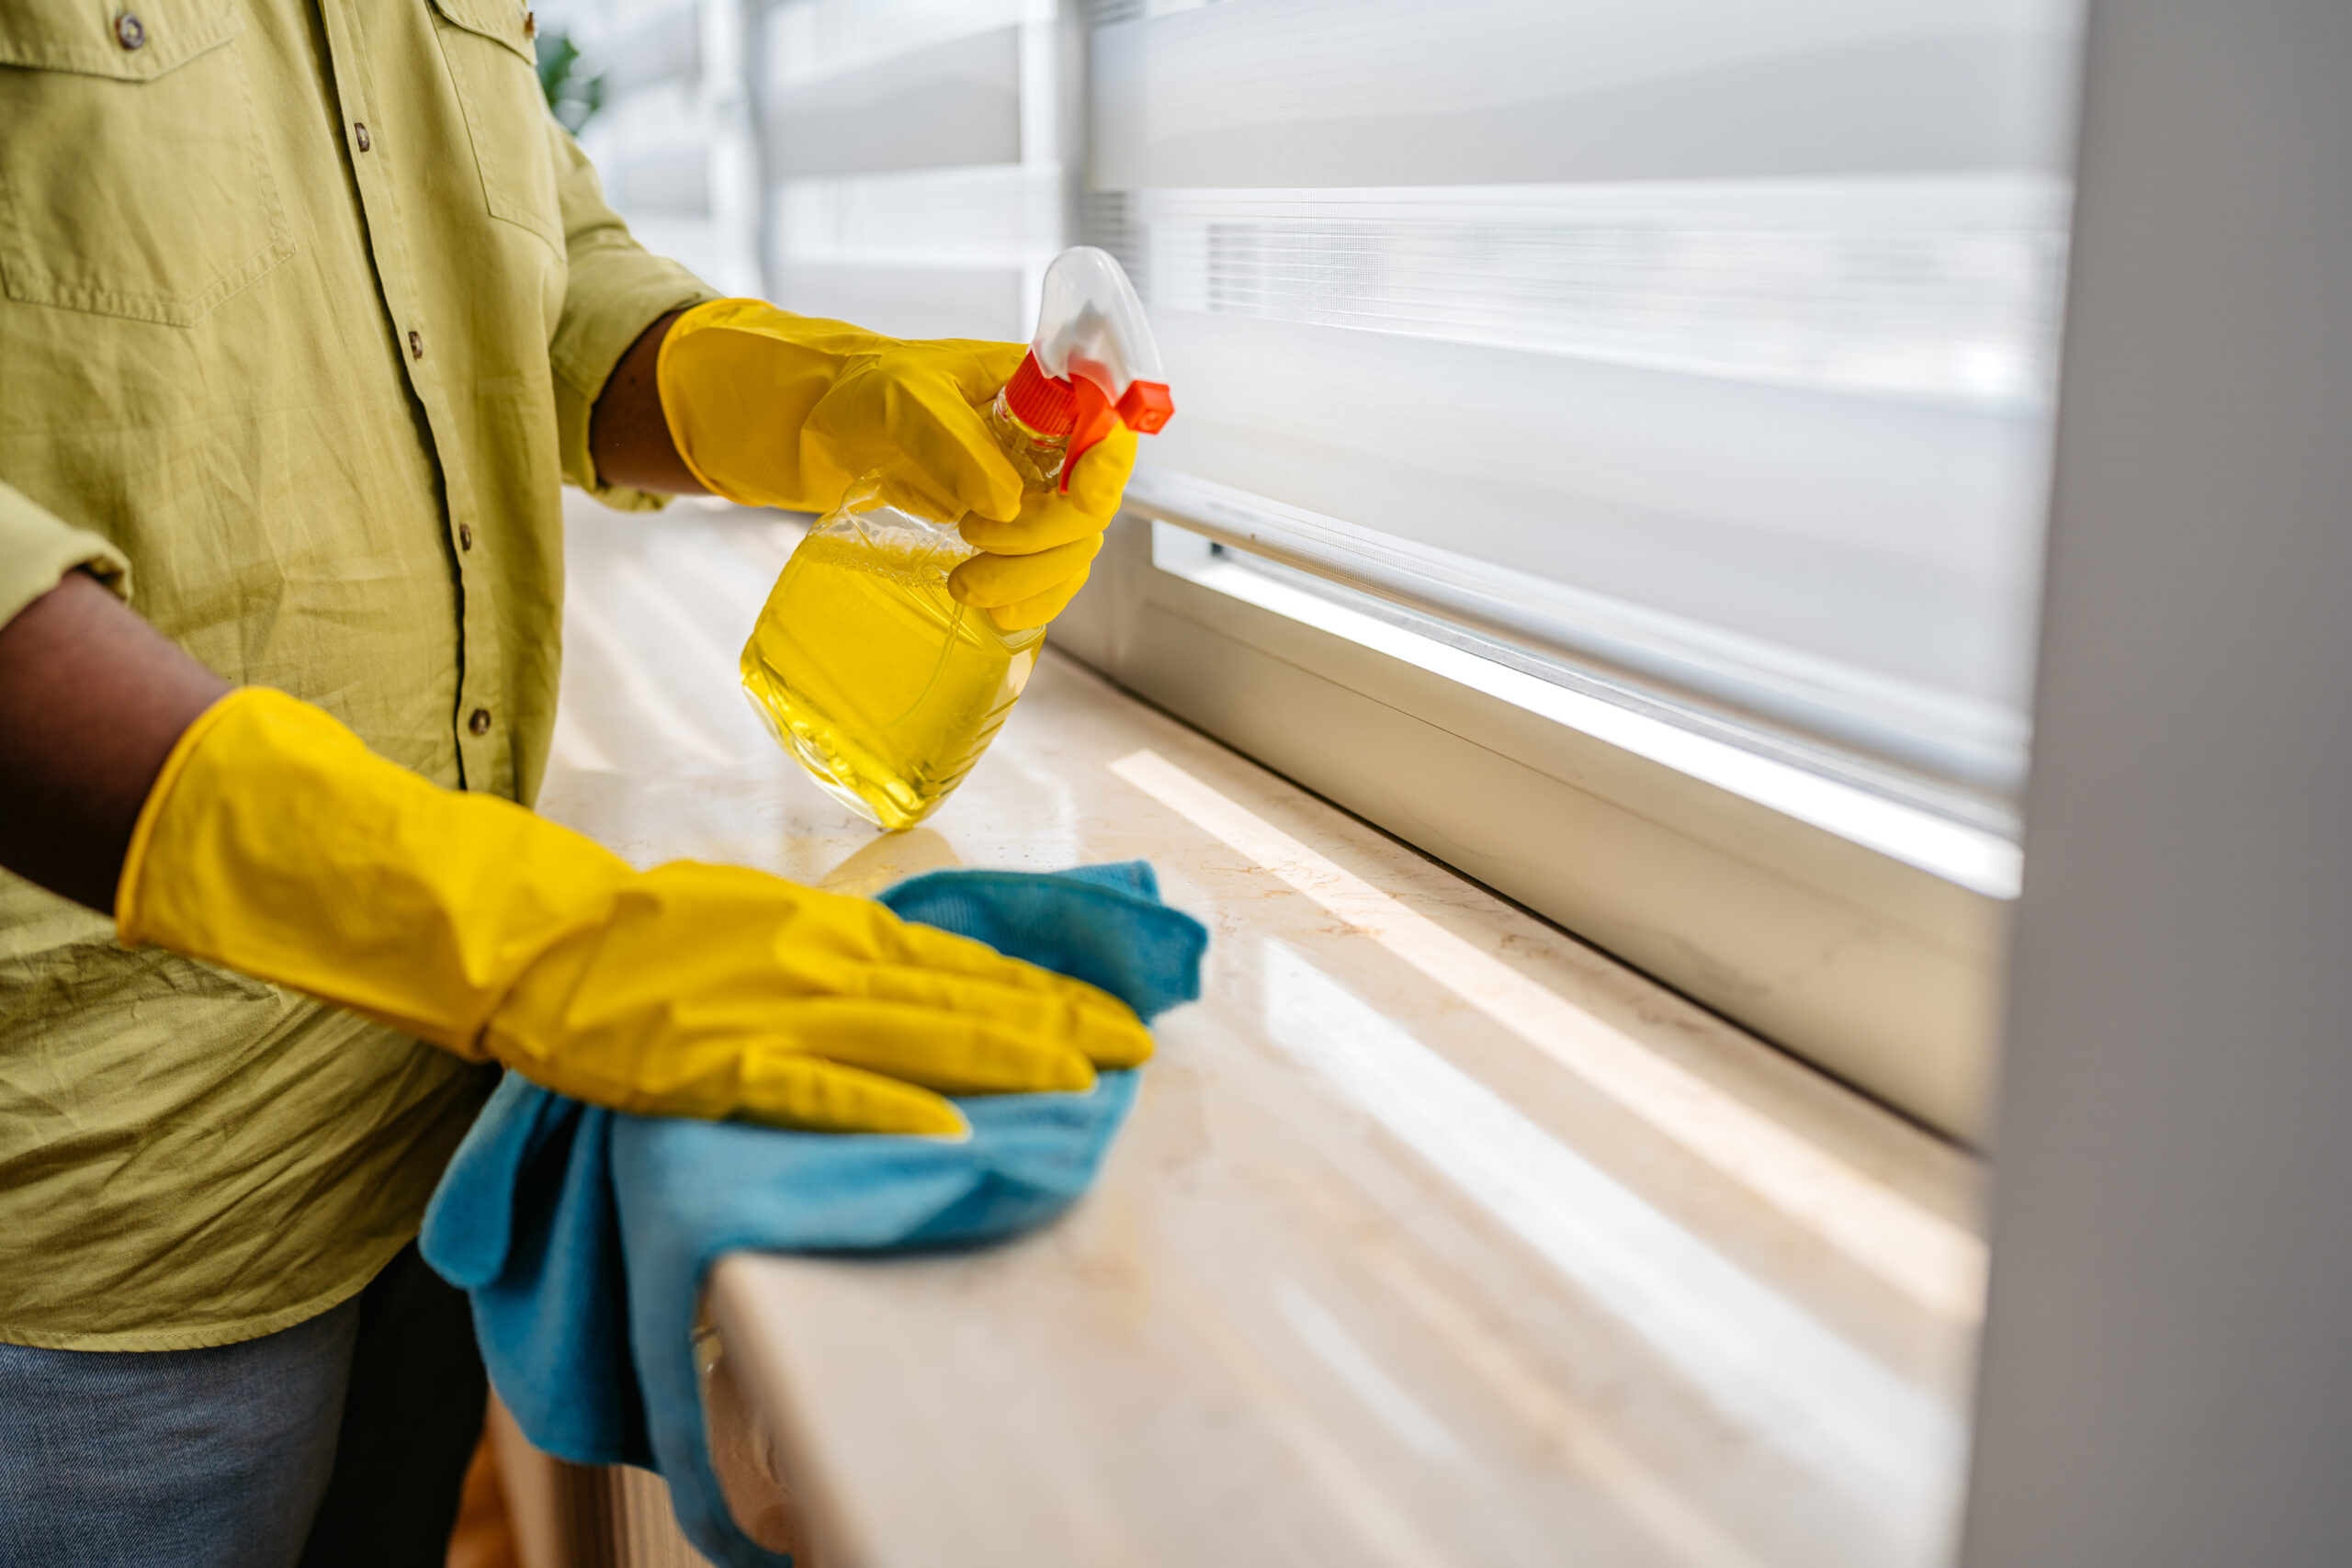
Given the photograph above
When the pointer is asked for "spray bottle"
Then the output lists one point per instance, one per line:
(863, 664)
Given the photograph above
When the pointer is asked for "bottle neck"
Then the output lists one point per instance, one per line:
(1038, 456)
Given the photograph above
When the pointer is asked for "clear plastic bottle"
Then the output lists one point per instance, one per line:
(865, 666)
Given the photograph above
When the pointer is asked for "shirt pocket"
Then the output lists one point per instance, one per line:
(133, 179)
(495, 65)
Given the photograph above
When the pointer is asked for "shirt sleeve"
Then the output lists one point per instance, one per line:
(37, 550)
(616, 289)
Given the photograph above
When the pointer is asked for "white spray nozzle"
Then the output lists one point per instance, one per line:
(1091, 325)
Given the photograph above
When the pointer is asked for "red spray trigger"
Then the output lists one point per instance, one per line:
(1144, 409)
(1097, 417)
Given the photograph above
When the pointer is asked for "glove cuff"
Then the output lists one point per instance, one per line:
(675, 408)
(130, 912)
(274, 843)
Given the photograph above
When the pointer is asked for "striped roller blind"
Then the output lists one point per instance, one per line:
(1708, 342)
(914, 155)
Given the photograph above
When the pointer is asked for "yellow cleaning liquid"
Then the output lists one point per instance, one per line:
(869, 671)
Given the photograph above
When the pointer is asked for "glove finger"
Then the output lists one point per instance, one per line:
(903, 961)
(987, 581)
(1050, 517)
(958, 955)
(1100, 480)
(954, 1053)
(784, 1089)
(1036, 612)
(970, 463)
(914, 944)
(945, 454)
(711, 1074)
(1096, 1024)
(1046, 519)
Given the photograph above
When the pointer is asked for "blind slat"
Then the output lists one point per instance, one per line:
(1303, 93)
(944, 106)
(1726, 314)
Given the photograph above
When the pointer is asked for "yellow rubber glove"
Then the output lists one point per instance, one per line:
(771, 409)
(274, 843)
(1034, 564)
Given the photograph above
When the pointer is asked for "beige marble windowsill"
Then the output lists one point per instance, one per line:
(1436, 1238)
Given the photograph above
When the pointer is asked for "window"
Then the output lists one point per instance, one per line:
(1611, 435)
(1707, 345)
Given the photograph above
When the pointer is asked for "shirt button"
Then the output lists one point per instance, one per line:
(129, 31)
(465, 536)
(530, 24)
(359, 133)
(478, 721)
(415, 346)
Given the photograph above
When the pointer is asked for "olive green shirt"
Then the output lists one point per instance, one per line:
(306, 303)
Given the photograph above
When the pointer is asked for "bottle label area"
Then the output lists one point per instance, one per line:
(870, 673)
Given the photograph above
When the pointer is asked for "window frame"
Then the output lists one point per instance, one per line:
(1869, 964)
(1886, 975)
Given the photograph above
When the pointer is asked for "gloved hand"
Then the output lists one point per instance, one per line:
(771, 409)
(274, 843)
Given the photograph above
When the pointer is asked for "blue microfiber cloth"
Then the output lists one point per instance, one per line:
(583, 1235)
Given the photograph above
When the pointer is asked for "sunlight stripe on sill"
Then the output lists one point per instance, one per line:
(1975, 858)
(1926, 1257)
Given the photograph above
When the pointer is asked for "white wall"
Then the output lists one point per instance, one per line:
(2167, 1374)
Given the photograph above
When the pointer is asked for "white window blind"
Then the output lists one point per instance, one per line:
(913, 155)
(668, 137)
(1702, 346)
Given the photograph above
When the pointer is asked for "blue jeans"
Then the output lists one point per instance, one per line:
(339, 1443)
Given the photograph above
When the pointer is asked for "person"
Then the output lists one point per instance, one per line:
(310, 311)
